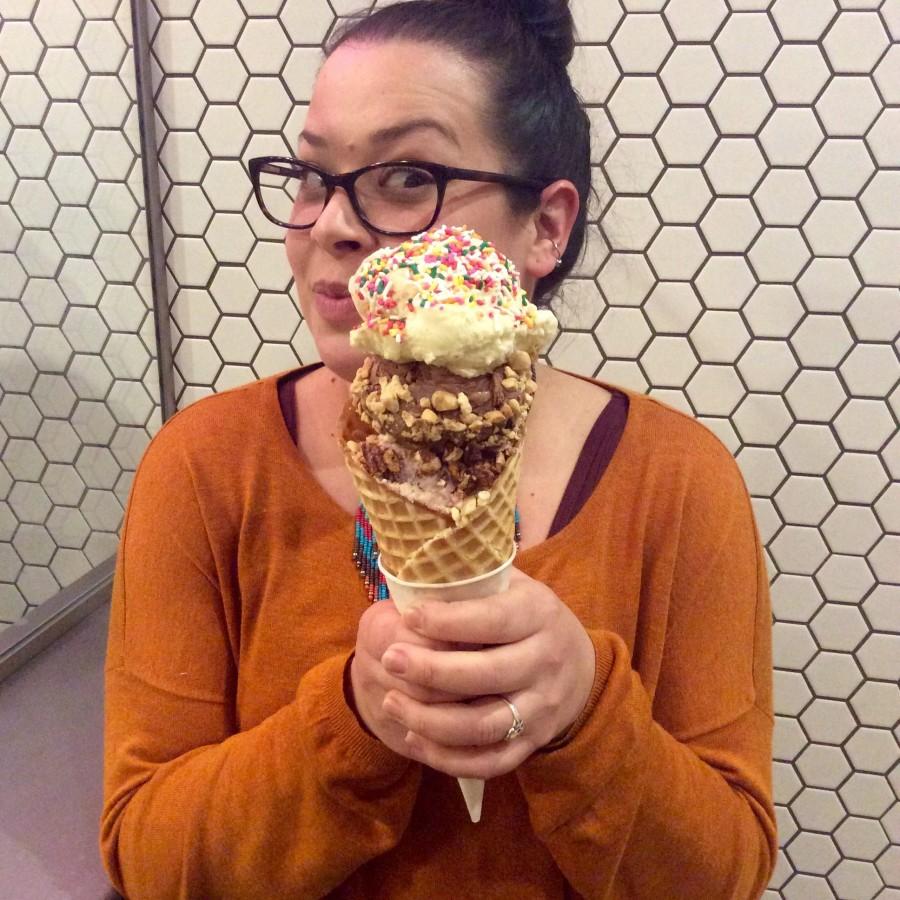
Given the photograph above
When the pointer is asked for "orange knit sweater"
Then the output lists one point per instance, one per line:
(235, 769)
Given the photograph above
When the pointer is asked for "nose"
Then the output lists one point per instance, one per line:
(339, 229)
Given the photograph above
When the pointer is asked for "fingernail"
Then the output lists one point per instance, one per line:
(391, 706)
(394, 661)
(413, 618)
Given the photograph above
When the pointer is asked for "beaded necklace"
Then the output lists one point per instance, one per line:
(365, 554)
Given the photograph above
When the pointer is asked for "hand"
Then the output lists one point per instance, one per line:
(540, 657)
(379, 627)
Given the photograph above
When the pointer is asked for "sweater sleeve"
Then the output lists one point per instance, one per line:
(193, 807)
(672, 797)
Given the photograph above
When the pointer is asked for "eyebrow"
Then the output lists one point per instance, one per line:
(390, 134)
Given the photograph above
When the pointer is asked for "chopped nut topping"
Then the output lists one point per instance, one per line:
(510, 384)
(431, 466)
(391, 460)
(444, 401)
(520, 361)
(430, 416)
(392, 392)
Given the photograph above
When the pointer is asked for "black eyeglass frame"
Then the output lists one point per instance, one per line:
(442, 176)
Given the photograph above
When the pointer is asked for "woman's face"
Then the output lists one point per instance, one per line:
(393, 101)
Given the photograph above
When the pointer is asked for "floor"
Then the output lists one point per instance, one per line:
(51, 734)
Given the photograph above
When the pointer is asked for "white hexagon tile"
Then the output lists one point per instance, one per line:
(78, 380)
(744, 265)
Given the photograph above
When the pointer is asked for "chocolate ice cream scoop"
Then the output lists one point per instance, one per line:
(429, 405)
(445, 436)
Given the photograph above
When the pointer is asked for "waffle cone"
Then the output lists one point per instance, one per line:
(417, 544)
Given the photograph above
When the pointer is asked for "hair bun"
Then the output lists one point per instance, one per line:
(550, 21)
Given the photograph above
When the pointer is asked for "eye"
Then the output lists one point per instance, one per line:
(404, 178)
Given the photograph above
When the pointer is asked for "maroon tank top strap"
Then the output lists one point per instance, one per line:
(286, 397)
(595, 455)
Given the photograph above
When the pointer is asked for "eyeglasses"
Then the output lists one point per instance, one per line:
(393, 198)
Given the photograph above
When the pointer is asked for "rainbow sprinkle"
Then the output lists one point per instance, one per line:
(447, 266)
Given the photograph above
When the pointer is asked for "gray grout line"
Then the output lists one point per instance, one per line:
(150, 163)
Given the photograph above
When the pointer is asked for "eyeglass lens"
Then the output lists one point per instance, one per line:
(393, 198)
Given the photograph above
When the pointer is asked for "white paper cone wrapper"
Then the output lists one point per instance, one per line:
(407, 594)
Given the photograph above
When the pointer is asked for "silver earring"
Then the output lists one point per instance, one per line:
(559, 261)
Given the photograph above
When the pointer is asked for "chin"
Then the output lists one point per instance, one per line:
(339, 357)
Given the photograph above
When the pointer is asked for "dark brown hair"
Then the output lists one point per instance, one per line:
(534, 113)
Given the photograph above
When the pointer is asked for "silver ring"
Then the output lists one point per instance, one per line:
(518, 723)
(558, 254)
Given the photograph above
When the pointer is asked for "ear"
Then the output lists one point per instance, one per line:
(553, 222)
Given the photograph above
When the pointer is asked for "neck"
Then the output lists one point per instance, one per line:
(333, 386)
(321, 398)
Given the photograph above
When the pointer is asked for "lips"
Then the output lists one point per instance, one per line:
(336, 290)
(334, 304)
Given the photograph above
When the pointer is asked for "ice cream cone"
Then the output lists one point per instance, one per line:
(434, 425)
(421, 556)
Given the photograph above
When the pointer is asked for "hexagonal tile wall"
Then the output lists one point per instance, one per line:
(77, 338)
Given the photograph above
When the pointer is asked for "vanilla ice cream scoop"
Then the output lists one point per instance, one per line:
(447, 298)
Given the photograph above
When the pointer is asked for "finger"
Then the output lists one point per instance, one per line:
(479, 723)
(470, 762)
(377, 627)
(381, 626)
(500, 619)
(373, 673)
(418, 693)
(473, 673)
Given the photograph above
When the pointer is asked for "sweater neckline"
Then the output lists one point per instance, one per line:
(342, 519)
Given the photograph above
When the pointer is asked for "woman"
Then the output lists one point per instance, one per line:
(271, 734)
